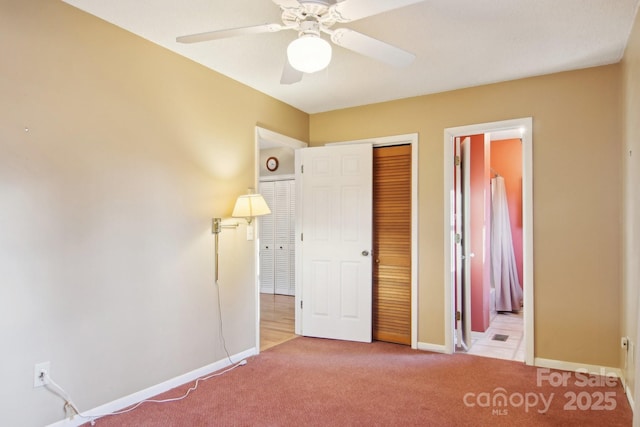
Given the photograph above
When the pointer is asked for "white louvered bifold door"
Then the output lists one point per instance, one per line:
(277, 233)
(267, 227)
(282, 237)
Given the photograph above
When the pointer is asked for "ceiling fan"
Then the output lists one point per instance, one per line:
(310, 52)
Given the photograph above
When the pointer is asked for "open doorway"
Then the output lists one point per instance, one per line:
(491, 245)
(275, 248)
(470, 286)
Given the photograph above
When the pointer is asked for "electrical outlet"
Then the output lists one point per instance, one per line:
(624, 342)
(39, 377)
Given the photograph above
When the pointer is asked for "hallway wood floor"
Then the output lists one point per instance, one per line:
(277, 320)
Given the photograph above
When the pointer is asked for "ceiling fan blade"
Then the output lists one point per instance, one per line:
(290, 75)
(223, 34)
(287, 4)
(351, 10)
(373, 48)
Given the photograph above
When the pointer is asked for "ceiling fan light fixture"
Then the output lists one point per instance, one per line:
(309, 53)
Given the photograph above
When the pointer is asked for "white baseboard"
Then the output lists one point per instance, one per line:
(436, 348)
(629, 394)
(577, 367)
(147, 393)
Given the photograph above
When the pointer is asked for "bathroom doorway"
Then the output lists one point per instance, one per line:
(492, 238)
(475, 323)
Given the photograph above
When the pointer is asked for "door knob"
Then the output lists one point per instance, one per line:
(365, 253)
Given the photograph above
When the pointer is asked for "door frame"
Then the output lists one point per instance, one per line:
(463, 250)
(525, 125)
(411, 138)
(265, 138)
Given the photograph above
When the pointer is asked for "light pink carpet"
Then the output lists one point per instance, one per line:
(317, 382)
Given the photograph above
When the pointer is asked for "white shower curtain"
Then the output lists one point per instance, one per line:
(504, 273)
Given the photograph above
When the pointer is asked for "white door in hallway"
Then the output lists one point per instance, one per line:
(335, 209)
(277, 238)
(463, 242)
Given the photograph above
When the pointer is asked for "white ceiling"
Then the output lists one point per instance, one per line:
(458, 43)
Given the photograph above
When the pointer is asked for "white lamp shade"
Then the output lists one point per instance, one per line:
(309, 53)
(249, 206)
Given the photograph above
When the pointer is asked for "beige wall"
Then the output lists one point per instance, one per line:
(106, 253)
(631, 223)
(577, 198)
(105, 204)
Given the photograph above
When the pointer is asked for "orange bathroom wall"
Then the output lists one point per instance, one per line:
(480, 211)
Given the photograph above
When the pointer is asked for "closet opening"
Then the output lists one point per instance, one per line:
(391, 238)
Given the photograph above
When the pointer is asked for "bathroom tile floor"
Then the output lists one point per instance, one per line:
(512, 348)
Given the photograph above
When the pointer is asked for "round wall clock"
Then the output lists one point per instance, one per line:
(272, 163)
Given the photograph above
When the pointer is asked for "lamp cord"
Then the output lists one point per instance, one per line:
(224, 342)
(69, 405)
(94, 418)
(194, 387)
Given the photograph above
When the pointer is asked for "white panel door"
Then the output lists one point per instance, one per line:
(463, 243)
(292, 237)
(336, 205)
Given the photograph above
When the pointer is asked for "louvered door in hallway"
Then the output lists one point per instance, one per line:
(392, 244)
(277, 238)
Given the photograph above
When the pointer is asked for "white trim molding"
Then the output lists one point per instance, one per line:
(268, 137)
(629, 393)
(436, 348)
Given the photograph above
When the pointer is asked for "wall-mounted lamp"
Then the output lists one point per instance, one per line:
(250, 206)
(247, 206)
